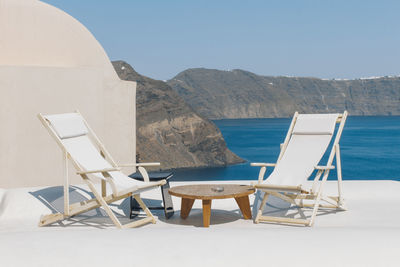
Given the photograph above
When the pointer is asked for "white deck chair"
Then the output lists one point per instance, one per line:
(305, 144)
(92, 162)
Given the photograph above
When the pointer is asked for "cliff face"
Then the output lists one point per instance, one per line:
(169, 131)
(219, 94)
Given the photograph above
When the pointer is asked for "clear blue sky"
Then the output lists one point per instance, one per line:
(326, 39)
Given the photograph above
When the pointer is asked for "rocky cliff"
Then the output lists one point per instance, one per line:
(169, 131)
(218, 94)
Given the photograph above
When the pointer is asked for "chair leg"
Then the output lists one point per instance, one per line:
(257, 199)
(317, 200)
(339, 176)
(145, 208)
(111, 214)
(260, 209)
(103, 203)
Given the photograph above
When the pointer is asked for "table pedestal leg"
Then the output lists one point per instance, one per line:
(206, 212)
(244, 205)
(186, 206)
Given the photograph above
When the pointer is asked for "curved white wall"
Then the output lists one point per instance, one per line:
(50, 63)
(34, 33)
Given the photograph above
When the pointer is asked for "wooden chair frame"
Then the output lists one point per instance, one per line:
(101, 199)
(296, 194)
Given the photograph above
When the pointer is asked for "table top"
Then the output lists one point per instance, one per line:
(205, 191)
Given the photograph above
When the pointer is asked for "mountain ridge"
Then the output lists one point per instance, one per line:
(221, 94)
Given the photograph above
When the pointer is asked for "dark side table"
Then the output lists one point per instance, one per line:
(167, 200)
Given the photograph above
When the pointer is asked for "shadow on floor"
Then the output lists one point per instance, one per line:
(53, 198)
(195, 217)
(277, 207)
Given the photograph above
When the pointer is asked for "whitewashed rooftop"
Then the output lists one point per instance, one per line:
(368, 234)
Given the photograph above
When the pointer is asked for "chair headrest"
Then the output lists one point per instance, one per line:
(67, 125)
(315, 124)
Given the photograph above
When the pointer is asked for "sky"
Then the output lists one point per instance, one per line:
(324, 39)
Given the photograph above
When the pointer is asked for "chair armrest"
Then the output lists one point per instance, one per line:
(141, 168)
(145, 164)
(141, 164)
(98, 171)
(257, 164)
(321, 168)
(262, 170)
(144, 174)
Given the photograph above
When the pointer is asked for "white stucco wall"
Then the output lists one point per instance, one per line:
(50, 63)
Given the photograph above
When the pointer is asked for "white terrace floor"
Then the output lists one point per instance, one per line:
(368, 234)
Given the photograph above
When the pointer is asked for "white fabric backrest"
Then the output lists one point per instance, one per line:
(305, 149)
(67, 125)
(309, 124)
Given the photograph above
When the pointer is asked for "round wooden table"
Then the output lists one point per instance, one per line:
(208, 192)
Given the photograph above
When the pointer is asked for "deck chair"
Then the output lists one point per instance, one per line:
(93, 163)
(306, 142)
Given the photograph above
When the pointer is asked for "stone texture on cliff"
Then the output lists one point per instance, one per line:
(169, 131)
(218, 94)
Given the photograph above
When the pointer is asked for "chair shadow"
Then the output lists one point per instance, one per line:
(277, 207)
(53, 198)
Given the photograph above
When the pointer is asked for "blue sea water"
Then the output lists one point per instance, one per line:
(370, 148)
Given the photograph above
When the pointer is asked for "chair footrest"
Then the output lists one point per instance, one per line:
(139, 222)
(282, 220)
(51, 218)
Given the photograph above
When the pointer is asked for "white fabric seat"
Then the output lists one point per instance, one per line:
(126, 184)
(82, 149)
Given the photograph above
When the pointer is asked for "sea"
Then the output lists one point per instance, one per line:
(370, 149)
